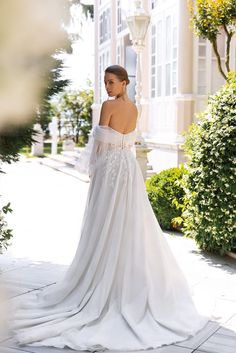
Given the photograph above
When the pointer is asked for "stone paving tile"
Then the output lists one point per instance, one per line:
(218, 345)
(15, 289)
(12, 350)
(11, 344)
(7, 263)
(223, 340)
(223, 310)
(201, 337)
(231, 324)
(164, 349)
(34, 276)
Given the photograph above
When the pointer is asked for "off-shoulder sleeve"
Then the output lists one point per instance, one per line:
(87, 157)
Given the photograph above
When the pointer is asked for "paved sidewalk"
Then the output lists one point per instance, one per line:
(48, 209)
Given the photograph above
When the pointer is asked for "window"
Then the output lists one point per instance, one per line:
(118, 54)
(201, 75)
(104, 61)
(164, 57)
(168, 56)
(168, 82)
(153, 4)
(174, 59)
(159, 56)
(105, 25)
(153, 62)
(121, 15)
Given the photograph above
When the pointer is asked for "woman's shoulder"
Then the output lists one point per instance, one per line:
(116, 102)
(107, 105)
(111, 106)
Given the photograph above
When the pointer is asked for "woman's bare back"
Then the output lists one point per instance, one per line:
(123, 115)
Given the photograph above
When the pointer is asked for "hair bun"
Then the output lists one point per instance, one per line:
(119, 71)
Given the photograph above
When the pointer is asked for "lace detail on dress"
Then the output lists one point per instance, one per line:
(116, 163)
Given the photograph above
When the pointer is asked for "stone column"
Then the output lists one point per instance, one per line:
(37, 146)
(141, 156)
(53, 132)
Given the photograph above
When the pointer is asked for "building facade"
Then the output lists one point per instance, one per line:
(179, 71)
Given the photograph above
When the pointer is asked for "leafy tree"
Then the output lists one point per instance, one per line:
(87, 9)
(5, 232)
(13, 139)
(73, 109)
(210, 184)
(55, 84)
(208, 19)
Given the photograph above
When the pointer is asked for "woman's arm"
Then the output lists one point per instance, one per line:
(106, 112)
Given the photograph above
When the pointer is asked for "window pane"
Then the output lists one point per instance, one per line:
(201, 89)
(153, 44)
(175, 36)
(168, 79)
(159, 41)
(159, 80)
(154, 3)
(202, 40)
(168, 38)
(153, 82)
(201, 64)
(174, 78)
(202, 50)
(174, 53)
(201, 78)
(153, 30)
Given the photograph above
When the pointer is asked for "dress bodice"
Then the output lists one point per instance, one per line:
(106, 142)
(107, 135)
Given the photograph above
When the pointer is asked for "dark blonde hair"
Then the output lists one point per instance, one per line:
(119, 71)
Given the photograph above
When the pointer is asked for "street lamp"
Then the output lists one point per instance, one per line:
(138, 23)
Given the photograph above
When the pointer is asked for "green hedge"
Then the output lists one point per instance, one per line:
(166, 196)
(210, 184)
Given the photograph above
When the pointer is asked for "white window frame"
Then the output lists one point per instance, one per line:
(104, 61)
(159, 58)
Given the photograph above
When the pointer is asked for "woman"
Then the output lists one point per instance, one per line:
(123, 289)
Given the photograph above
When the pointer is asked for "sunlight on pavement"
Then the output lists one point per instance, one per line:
(48, 207)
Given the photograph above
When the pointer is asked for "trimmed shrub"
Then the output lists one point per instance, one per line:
(210, 184)
(166, 196)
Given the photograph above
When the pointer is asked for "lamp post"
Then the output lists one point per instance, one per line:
(138, 23)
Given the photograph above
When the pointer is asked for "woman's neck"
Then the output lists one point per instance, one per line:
(123, 96)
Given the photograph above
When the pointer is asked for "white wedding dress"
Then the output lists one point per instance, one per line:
(123, 289)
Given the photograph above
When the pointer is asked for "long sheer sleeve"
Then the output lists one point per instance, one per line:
(87, 157)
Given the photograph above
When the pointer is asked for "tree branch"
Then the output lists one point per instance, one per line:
(229, 37)
(214, 45)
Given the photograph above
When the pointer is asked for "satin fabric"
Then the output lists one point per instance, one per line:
(124, 289)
